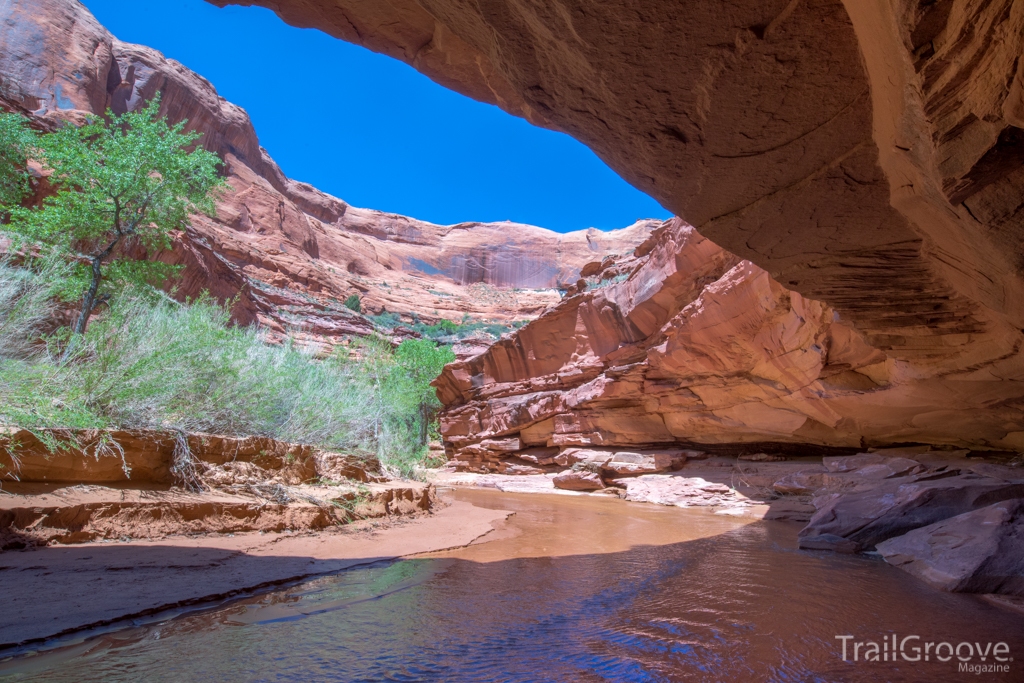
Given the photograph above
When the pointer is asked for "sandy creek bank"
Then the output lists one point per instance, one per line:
(59, 589)
(569, 588)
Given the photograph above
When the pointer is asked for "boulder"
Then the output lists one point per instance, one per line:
(896, 506)
(799, 483)
(981, 551)
(627, 462)
(539, 456)
(675, 489)
(831, 542)
(789, 510)
(579, 480)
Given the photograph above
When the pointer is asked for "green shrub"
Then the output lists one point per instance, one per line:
(353, 303)
(444, 331)
(150, 362)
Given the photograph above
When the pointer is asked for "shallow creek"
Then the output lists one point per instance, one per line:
(568, 589)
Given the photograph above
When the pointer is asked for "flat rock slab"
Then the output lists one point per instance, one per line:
(681, 491)
(976, 552)
(64, 589)
(789, 510)
(531, 483)
(897, 506)
(578, 480)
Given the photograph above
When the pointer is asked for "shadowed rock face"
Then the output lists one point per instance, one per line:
(864, 154)
(696, 346)
(291, 252)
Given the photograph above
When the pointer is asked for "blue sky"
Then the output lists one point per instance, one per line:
(375, 132)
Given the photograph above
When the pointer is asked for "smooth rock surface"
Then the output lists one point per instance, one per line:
(896, 506)
(681, 491)
(696, 349)
(977, 552)
(867, 155)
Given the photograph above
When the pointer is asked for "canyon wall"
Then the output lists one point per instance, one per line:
(291, 253)
(685, 344)
(865, 154)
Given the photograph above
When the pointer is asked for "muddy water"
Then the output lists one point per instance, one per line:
(569, 589)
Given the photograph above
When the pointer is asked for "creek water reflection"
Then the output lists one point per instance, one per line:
(572, 589)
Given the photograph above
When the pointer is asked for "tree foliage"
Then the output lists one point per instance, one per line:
(121, 184)
(121, 187)
(15, 141)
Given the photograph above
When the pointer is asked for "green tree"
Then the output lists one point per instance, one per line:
(120, 184)
(419, 362)
(15, 141)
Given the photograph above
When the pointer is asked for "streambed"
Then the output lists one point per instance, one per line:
(567, 589)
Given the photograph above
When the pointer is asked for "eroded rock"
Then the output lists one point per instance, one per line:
(696, 347)
(578, 480)
(894, 507)
(146, 457)
(981, 551)
(866, 155)
(680, 491)
(288, 254)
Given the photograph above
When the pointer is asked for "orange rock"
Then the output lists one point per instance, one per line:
(290, 253)
(578, 480)
(699, 347)
(867, 155)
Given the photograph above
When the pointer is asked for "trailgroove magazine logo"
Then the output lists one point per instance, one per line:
(971, 657)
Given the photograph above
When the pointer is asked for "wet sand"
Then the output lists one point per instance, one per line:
(51, 591)
(546, 525)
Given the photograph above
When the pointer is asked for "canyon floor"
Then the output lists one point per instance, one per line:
(90, 557)
(110, 583)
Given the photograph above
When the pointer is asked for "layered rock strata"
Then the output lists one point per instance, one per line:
(290, 253)
(73, 486)
(83, 513)
(686, 345)
(867, 155)
(148, 457)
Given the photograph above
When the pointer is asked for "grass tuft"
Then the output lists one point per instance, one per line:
(152, 363)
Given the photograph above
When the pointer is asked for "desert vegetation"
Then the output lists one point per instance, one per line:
(445, 331)
(88, 340)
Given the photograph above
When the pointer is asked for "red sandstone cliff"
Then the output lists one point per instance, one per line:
(696, 347)
(291, 252)
(869, 155)
(918, 339)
